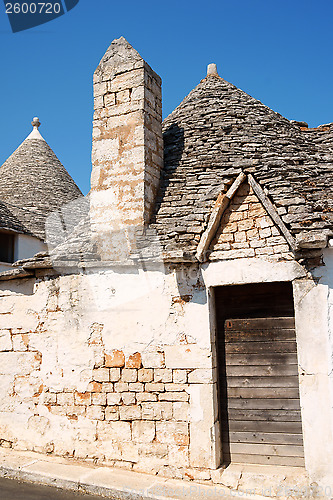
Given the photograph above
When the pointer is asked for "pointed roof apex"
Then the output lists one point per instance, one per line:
(35, 134)
(121, 56)
(44, 185)
(212, 70)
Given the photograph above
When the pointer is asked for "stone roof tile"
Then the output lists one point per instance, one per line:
(34, 183)
(219, 131)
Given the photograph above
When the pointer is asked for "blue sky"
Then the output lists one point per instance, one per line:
(280, 52)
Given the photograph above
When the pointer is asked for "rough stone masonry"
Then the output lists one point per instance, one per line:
(127, 152)
(115, 361)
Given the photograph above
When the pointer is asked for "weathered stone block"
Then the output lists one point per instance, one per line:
(154, 449)
(98, 398)
(107, 387)
(154, 387)
(229, 476)
(65, 398)
(240, 236)
(176, 387)
(264, 222)
(101, 375)
(172, 433)
(201, 376)
(179, 376)
(145, 375)
(20, 342)
(136, 387)
(115, 431)
(49, 398)
(134, 361)
(26, 361)
(114, 374)
(173, 396)
(281, 249)
(162, 375)
(113, 398)
(116, 359)
(129, 375)
(111, 413)
(146, 396)
(152, 359)
(5, 341)
(95, 412)
(73, 411)
(181, 411)
(197, 474)
(178, 456)
(121, 387)
(156, 411)
(130, 452)
(128, 398)
(143, 432)
(81, 398)
(257, 243)
(130, 412)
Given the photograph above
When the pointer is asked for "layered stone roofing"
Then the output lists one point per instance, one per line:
(219, 131)
(33, 183)
(217, 134)
(9, 222)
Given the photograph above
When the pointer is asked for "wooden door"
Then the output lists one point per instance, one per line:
(259, 388)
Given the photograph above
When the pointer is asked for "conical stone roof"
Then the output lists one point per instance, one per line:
(219, 131)
(34, 183)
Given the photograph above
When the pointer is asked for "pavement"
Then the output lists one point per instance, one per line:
(14, 490)
(107, 482)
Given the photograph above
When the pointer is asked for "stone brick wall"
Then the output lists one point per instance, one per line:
(127, 151)
(141, 413)
(246, 230)
(77, 381)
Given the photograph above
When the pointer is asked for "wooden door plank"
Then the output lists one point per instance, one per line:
(279, 450)
(268, 381)
(280, 370)
(262, 426)
(264, 404)
(261, 359)
(268, 323)
(261, 437)
(256, 335)
(266, 460)
(262, 392)
(269, 415)
(256, 347)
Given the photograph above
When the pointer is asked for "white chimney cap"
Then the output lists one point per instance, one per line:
(212, 70)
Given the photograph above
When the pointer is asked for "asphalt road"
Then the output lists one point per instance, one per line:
(13, 490)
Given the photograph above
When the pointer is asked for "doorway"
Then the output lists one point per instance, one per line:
(259, 406)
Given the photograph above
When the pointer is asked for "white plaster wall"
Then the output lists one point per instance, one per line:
(327, 279)
(27, 246)
(135, 312)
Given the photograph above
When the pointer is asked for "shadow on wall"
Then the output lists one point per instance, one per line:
(173, 138)
(326, 273)
(19, 286)
(190, 284)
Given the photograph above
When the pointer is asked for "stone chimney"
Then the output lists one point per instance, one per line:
(127, 151)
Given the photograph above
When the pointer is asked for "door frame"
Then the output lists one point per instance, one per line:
(312, 337)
